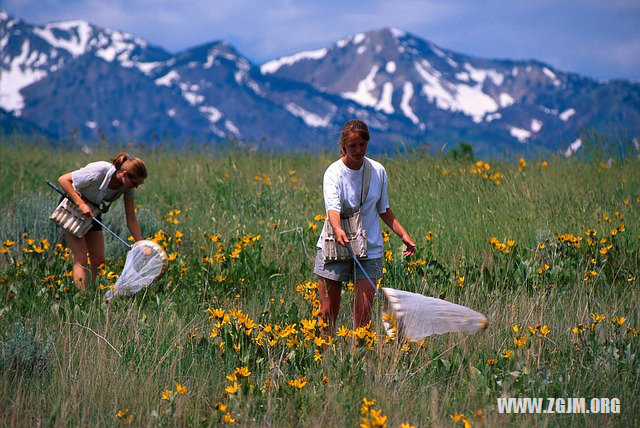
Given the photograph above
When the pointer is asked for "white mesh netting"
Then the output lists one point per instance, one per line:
(417, 316)
(146, 261)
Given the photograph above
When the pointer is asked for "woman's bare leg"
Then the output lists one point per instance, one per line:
(95, 245)
(329, 296)
(362, 300)
(79, 250)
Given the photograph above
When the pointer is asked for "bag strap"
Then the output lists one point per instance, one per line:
(366, 181)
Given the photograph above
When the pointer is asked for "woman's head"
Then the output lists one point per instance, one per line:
(351, 129)
(134, 168)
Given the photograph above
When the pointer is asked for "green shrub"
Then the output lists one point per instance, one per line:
(25, 348)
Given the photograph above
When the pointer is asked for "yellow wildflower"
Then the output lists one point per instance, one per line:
(298, 383)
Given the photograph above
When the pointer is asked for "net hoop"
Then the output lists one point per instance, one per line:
(157, 248)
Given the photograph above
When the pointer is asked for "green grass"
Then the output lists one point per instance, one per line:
(124, 355)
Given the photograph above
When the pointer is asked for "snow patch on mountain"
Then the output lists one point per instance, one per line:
(521, 134)
(397, 33)
(573, 147)
(492, 116)
(309, 118)
(506, 100)
(79, 31)
(551, 75)
(233, 128)
(145, 67)
(468, 99)
(3, 41)
(407, 94)
(438, 51)
(362, 94)
(212, 113)
(358, 38)
(16, 77)
(355, 39)
(273, 66)
(481, 75)
(553, 111)
(390, 67)
(385, 100)
(565, 115)
(536, 125)
(168, 79)
(361, 49)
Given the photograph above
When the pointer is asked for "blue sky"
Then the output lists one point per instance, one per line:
(596, 38)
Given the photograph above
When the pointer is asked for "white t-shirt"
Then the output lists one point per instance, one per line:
(92, 182)
(342, 187)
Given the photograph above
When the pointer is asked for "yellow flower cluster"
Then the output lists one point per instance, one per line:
(298, 383)
(264, 178)
(6, 245)
(308, 292)
(371, 417)
(246, 240)
(522, 164)
(364, 335)
(570, 239)
(125, 416)
(169, 394)
(172, 217)
(482, 169)
(500, 246)
(459, 417)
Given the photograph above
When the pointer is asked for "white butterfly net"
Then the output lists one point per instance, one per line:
(414, 316)
(146, 261)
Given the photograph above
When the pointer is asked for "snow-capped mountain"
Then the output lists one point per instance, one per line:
(30, 53)
(75, 77)
(399, 74)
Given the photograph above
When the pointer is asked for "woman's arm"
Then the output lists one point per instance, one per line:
(390, 220)
(66, 183)
(334, 220)
(132, 220)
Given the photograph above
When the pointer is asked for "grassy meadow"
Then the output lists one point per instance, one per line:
(548, 249)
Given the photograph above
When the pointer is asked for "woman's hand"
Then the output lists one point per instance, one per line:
(411, 246)
(341, 237)
(85, 209)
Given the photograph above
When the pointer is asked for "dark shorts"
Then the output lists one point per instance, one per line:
(95, 227)
(343, 271)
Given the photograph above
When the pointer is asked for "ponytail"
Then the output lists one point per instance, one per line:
(120, 159)
(134, 167)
